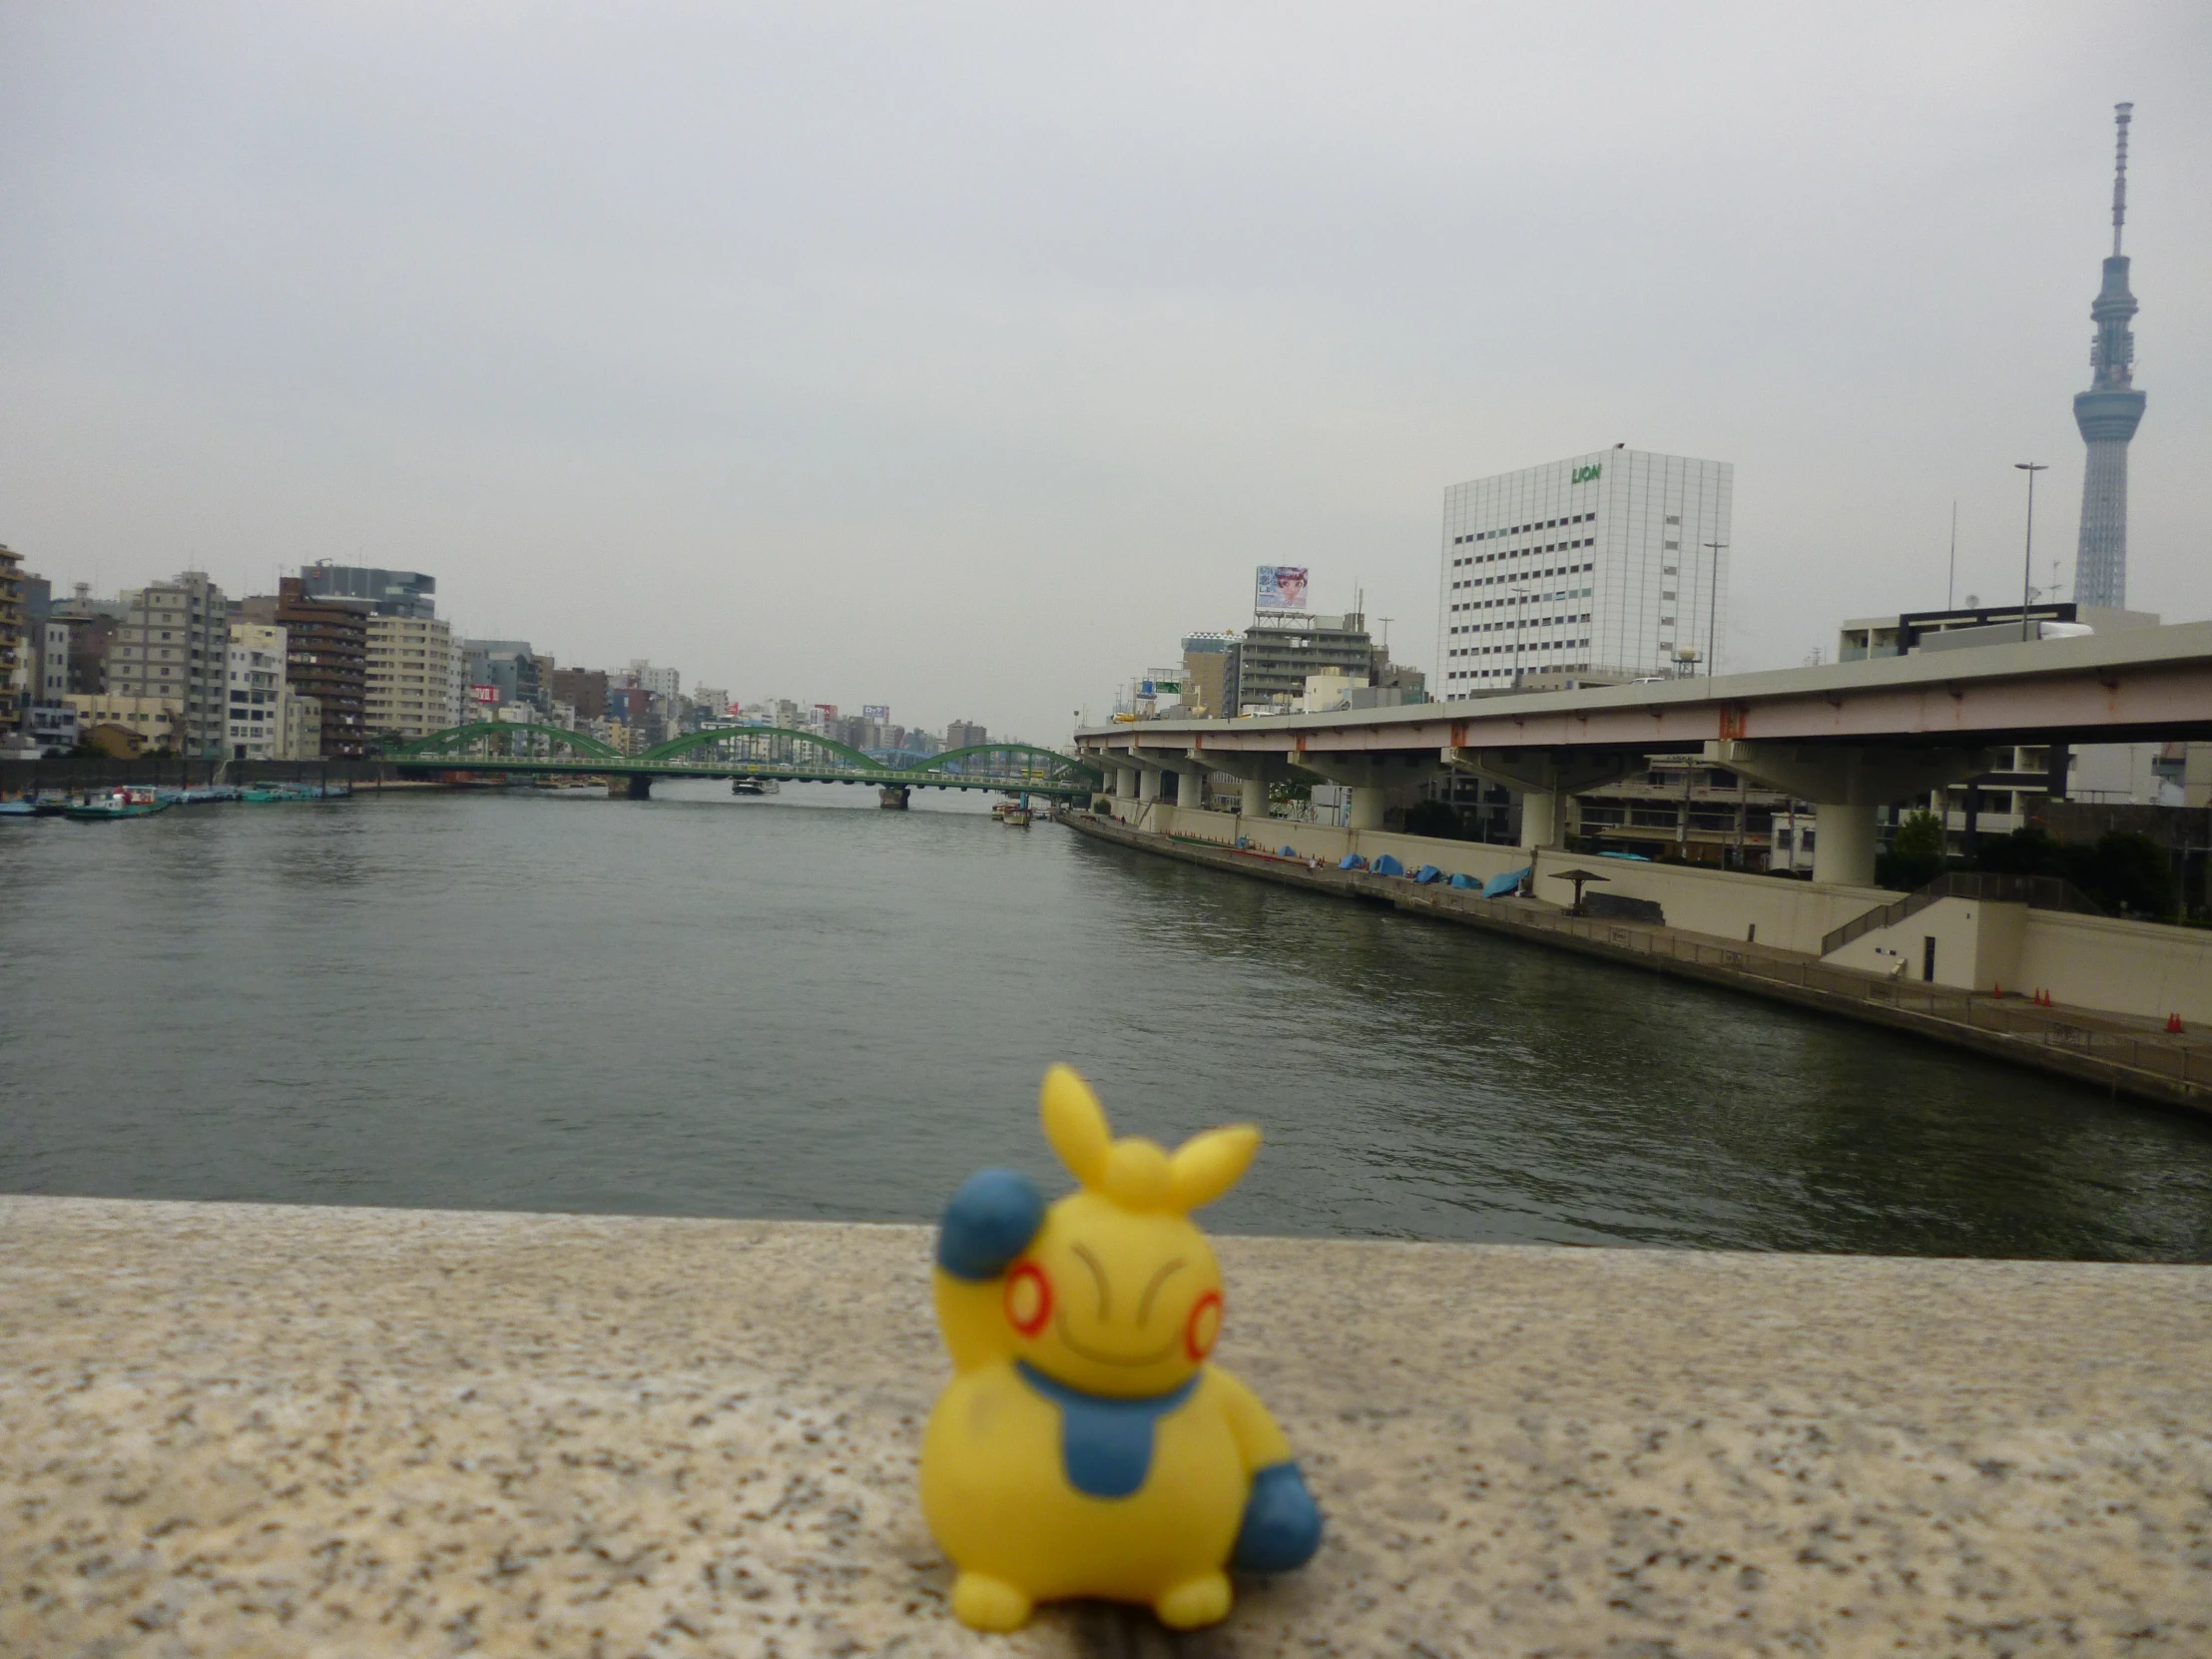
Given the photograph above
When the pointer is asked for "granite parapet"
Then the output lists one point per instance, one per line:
(240, 1429)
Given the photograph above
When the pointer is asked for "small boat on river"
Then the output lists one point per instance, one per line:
(130, 802)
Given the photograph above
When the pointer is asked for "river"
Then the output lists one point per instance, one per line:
(805, 1007)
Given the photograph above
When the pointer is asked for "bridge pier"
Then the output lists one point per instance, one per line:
(1190, 790)
(1148, 786)
(892, 797)
(1845, 786)
(632, 785)
(1254, 793)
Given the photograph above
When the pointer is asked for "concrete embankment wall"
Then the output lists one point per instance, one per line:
(1789, 914)
(2101, 962)
(2139, 968)
(2126, 1056)
(247, 1430)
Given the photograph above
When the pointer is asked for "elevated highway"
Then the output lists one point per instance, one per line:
(1849, 736)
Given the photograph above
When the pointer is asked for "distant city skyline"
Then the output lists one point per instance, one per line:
(894, 351)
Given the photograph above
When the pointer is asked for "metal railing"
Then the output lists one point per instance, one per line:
(2037, 892)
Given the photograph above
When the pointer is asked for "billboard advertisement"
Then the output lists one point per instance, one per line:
(1280, 588)
(484, 694)
(875, 710)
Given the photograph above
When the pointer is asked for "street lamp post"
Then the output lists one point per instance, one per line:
(2027, 564)
(1713, 604)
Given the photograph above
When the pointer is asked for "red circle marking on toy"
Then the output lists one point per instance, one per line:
(1030, 1273)
(1198, 1334)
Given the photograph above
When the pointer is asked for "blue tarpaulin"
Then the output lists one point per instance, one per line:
(1289, 851)
(1498, 887)
(1352, 861)
(1429, 872)
(1465, 882)
(1637, 857)
(1387, 866)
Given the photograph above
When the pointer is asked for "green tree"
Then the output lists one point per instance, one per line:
(1921, 835)
(2131, 873)
(1916, 853)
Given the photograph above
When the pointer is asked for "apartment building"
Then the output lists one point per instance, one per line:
(325, 657)
(11, 635)
(407, 677)
(155, 722)
(172, 646)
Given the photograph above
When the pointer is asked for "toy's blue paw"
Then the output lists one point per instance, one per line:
(989, 1222)
(1282, 1528)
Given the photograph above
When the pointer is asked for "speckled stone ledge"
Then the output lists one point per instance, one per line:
(246, 1430)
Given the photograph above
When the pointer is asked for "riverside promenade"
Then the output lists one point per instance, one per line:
(2121, 1054)
(258, 1430)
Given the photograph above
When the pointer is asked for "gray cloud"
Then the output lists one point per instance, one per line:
(962, 357)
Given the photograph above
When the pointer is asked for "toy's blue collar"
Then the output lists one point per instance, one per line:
(1105, 1439)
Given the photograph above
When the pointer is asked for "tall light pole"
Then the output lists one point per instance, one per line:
(2027, 564)
(1713, 604)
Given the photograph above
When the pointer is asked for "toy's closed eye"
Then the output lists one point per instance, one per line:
(1144, 1304)
(1105, 1295)
(1028, 1298)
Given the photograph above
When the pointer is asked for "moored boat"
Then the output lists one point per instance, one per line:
(130, 802)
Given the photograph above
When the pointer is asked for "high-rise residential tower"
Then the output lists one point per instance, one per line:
(2108, 414)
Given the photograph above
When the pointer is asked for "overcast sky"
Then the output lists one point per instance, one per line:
(962, 357)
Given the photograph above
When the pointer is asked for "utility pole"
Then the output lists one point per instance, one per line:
(2028, 563)
(1713, 605)
(1950, 582)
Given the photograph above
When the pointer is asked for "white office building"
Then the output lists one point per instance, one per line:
(1610, 566)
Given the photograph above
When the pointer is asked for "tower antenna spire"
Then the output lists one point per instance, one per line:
(2122, 114)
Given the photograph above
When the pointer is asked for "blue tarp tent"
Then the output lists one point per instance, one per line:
(1289, 851)
(1465, 882)
(1352, 861)
(1429, 872)
(1498, 887)
(1636, 858)
(1387, 866)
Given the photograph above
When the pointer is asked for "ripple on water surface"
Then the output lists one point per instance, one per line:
(804, 1007)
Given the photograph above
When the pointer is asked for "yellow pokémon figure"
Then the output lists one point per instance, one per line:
(1085, 1447)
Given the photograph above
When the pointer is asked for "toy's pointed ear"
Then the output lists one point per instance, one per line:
(1075, 1125)
(1206, 1165)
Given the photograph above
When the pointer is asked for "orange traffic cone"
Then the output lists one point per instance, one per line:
(1997, 987)
(2173, 1024)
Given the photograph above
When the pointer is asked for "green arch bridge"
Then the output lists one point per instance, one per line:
(747, 752)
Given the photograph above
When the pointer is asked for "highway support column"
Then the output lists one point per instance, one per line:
(1252, 772)
(1373, 780)
(634, 785)
(1543, 778)
(1847, 784)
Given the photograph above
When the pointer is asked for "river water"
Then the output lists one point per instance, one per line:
(805, 1007)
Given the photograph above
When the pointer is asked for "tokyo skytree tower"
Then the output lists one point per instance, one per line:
(2108, 414)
